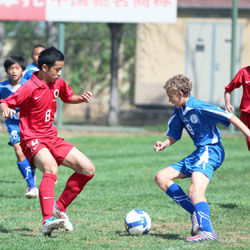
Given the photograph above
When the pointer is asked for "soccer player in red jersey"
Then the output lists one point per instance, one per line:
(37, 100)
(242, 78)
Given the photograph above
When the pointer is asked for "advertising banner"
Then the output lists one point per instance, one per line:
(123, 11)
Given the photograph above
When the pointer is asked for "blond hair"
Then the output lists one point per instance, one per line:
(179, 83)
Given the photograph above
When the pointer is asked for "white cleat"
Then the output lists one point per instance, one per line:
(63, 215)
(32, 193)
(52, 224)
(195, 225)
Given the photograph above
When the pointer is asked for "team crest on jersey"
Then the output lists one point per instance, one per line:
(194, 119)
(56, 93)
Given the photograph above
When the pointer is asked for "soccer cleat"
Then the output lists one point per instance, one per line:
(52, 224)
(32, 193)
(63, 215)
(201, 236)
(195, 225)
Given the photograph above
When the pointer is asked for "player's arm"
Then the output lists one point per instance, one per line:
(160, 145)
(6, 111)
(228, 106)
(240, 125)
(85, 97)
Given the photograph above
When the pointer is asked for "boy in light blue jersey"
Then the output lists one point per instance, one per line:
(199, 120)
(33, 67)
(14, 67)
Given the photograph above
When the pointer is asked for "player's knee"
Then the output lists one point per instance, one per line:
(161, 179)
(158, 177)
(88, 169)
(51, 169)
(195, 194)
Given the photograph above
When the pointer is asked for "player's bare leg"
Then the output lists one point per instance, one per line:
(84, 172)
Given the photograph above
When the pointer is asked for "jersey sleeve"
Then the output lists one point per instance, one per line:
(216, 115)
(65, 92)
(236, 82)
(1, 92)
(17, 99)
(175, 126)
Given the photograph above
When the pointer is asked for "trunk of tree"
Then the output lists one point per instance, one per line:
(116, 30)
(52, 34)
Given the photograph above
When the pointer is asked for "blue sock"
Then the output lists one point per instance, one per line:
(178, 195)
(203, 215)
(25, 169)
(33, 172)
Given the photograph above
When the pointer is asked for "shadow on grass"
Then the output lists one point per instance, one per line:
(9, 196)
(23, 230)
(4, 181)
(228, 206)
(164, 236)
(167, 236)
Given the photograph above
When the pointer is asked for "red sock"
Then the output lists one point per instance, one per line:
(74, 186)
(47, 195)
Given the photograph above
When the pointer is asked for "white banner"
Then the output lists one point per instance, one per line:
(119, 11)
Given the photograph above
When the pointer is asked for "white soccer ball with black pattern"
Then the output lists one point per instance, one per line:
(137, 222)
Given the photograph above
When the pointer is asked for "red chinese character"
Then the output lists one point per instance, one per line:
(144, 3)
(79, 3)
(162, 3)
(121, 3)
(102, 3)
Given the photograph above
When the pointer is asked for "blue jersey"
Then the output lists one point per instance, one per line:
(6, 89)
(30, 69)
(199, 119)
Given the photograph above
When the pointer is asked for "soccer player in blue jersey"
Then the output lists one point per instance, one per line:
(33, 67)
(14, 67)
(199, 120)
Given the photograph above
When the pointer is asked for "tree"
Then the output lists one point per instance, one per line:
(24, 35)
(116, 30)
(87, 57)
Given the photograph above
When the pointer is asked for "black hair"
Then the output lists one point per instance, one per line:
(15, 59)
(49, 56)
(37, 46)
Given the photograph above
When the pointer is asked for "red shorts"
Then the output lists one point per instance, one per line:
(245, 118)
(58, 147)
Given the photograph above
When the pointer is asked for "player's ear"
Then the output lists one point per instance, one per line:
(180, 93)
(45, 68)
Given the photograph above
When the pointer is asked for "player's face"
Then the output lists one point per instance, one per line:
(175, 98)
(36, 53)
(54, 71)
(15, 72)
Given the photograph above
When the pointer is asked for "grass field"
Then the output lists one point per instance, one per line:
(125, 169)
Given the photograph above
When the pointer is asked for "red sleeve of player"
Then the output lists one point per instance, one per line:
(236, 82)
(17, 99)
(65, 92)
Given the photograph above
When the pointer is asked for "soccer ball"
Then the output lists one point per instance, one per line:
(137, 222)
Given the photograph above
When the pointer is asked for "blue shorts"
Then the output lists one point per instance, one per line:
(205, 159)
(14, 133)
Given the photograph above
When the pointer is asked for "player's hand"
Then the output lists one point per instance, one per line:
(229, 108)
(86, 96)
(159, 145)
(8, 113)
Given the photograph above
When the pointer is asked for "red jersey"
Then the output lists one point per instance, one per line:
(242, 78)
(38, 104)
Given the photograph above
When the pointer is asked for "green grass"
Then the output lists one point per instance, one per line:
(124, 180)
